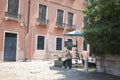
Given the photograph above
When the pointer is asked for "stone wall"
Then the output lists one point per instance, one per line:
(109, 64)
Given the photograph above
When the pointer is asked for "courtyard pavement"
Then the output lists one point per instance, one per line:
(44, 70)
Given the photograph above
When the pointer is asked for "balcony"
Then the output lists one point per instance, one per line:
(42, 21)
(69, 26)
(60, 25)
(12, 16)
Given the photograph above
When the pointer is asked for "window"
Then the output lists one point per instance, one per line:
(70, 19)
(42, 14)
(59, 44)
(84, 45)
(40, 43)
(69, 44)
(42, 11)
(13, 8)
(60, 18)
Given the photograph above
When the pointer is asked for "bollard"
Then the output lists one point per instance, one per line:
(52, 58)
(86, 65)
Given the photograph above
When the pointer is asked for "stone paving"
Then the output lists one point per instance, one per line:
(44, 70)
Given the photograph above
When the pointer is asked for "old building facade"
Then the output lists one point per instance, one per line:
(33, 29)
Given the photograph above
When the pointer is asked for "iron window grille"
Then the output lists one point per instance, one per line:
(69, 26)
(60, 25)
(42, 21)
(14, 16)
(70, 21)
(42, 15)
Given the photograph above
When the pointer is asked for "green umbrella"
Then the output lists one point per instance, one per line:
(74, 33)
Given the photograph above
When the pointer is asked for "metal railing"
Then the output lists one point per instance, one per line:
(60, 25)
(13, 16)
(69, 26)
(42, 21)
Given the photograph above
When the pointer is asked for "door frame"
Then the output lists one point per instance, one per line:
(4, 43)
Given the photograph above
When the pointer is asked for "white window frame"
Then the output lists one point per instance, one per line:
(37, 41)
(18, 8)
(73, 17)
(69, 38)
(63, 15)
(56, 43)
(46, 11)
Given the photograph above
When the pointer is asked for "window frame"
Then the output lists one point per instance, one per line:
(72, 19)
(72, 43)
(18, 6)
(39, 10)
(84, 46)
(63, 15)
(37, 43)
(61, 43)
(45, 21)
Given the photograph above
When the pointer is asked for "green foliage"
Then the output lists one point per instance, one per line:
(102, 26)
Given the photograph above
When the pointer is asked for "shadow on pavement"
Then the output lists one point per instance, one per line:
(74, 74)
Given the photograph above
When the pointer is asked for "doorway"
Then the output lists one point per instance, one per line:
(10, 47)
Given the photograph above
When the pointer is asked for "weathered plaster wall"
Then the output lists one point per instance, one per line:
(110, 65)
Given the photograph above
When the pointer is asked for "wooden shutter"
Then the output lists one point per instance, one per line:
(60, 16)
(42, 11)
(70, 18)
(13, 6)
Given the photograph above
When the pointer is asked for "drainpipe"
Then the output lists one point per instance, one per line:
(27, 31)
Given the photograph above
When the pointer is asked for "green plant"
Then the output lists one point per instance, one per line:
(58, 63)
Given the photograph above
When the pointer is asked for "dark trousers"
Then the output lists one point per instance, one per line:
(67, 63)
(83, 61)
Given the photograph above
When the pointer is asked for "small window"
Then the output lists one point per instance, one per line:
(84, 45)
(40, 43)
(12, 9)
(69, 44)
(42, 12)
(70, 19)
(13, 6)
(59, 44)
(60, 17)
